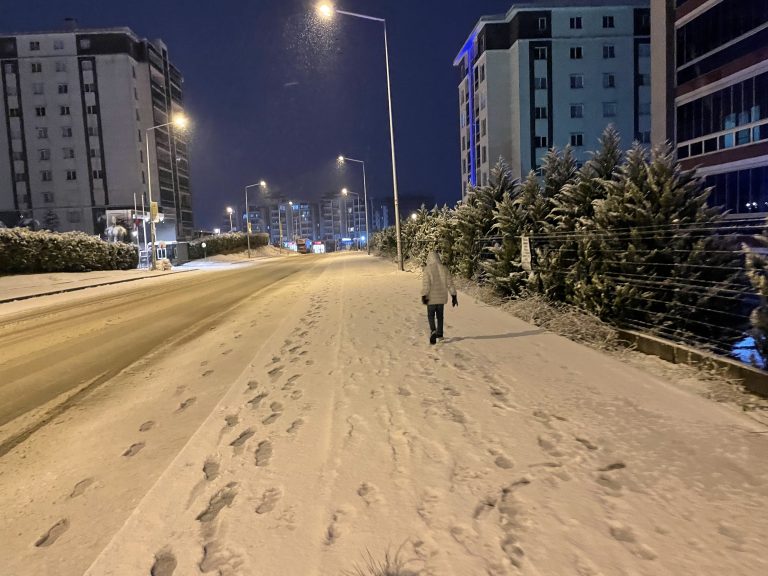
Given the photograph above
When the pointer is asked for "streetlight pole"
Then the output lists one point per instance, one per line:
(180, 121)
(327, 10)
(248, 214)
(365, 198)
(229, 211)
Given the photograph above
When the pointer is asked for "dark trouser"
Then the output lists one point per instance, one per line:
(435, 311)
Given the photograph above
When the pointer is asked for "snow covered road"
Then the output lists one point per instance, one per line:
(502, 450)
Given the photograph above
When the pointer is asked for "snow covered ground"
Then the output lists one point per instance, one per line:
(502, 450)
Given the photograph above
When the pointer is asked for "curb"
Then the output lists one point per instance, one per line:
(76, 288)
(753, 379)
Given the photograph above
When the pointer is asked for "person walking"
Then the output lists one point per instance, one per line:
(436, 285)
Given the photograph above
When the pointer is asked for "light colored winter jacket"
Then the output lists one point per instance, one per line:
(436, 281)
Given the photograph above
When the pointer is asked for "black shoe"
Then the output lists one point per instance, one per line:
(433, 338)
(439, 335)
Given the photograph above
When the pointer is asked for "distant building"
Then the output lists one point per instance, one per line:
(710, 94)
(342, 217)
(77, 104)
(552, 73)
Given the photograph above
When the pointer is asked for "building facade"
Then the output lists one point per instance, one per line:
(77, 106)
(711, 77)
(552, 73)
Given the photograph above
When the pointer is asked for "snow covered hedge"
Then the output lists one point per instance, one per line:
(24, 251)
(628, 237)
(225, 244)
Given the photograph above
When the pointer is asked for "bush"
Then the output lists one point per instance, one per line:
(225, 244)
(24, 251)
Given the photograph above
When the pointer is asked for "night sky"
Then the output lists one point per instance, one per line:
(276, 94)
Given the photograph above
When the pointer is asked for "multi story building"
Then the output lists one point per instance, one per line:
(710, 82)
(342, 217)
(552, 73)
(76, 108)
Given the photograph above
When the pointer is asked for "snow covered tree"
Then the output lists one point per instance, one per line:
(663, 263)
(757, 271)
(572, 260)
(474, 220)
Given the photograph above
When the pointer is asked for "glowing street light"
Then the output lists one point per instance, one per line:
(179, 121)
(342, 160)
(263, 186)
(414, 216)
(229, 211)
(326, 10)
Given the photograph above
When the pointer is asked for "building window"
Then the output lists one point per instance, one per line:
(73, 216)
(609, 109)
(540, 141)
(576, 23)
(133, 71)
(92, 109)
(482, 73)
(64, 111)
(42, 133)
(540, 53)
(577, 139)
(577, 53)
(89, 87)
(95, 153)
(542, 24)
(63, 88)
(58, 44)
(68, 153)
(11, 89)
(87, 65)
(85, 43)
(93, 131)
(644, 137)
(40, 111)
(18, 155)
(135, 94)
(609, 80)
(44, 154)
(483, 127)
(48, 197)
(644, 108)
(577, 110)
(609, 51)
(66, 132)
(34, 45)
(540, 83)
(644, 79)
(14, 112)
(36, 67)
(98, 174)
(608, 22)
(139, 132)
(485, 154)
(463, 147)
(71, 174)
(577, 81)
(644, 50)
(21, 177)
(46, 175)
(38, 88)
(144, 177)
(61, 66)
(540, 112)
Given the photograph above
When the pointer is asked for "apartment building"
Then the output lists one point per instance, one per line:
(342, 217)
(711, 92)
(552, 73)
(77, 105)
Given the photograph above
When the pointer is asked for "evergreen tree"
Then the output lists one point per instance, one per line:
(757, 271)
(51, 221)
(474, 220)
(573, 265)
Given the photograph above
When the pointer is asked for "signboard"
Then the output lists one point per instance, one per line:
(526, 259)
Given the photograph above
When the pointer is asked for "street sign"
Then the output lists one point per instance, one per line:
(526, 258)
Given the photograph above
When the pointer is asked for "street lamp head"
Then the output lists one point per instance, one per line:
(229, 210)
(290, 203)
(263, 184)
(414, 216)
(180, 121)
(341, 159)
(325, 10)
(344, 191)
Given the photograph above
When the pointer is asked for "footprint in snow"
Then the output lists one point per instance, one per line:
(222, 499)
(147, 426)
(134, 449)
(81, 487)
(53, 534)
(269, 500)
(186, 404)
(164, 564)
